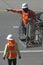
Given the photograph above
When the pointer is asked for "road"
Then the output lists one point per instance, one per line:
(7, 21)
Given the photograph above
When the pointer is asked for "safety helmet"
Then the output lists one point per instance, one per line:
(10, 37)
(24, 5)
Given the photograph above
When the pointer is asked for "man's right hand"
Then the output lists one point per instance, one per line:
(8, 9)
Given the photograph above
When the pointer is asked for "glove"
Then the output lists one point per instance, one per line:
(7, 9)
(19, 57)
(3, 58)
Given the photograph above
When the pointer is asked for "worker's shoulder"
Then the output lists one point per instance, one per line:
(31, 10)
(16, 43)
(6, 45)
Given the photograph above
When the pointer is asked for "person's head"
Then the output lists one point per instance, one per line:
(10, 39)
(25, 7)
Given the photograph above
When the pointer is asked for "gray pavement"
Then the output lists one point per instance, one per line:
(8, 20)
(27, 59)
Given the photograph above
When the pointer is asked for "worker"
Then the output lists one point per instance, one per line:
(11, 50)
(27, 15)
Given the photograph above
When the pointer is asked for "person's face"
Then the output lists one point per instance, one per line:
(10, 41)
(25, 9)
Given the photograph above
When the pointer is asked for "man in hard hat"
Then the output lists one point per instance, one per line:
(11, 50)
(27, 16)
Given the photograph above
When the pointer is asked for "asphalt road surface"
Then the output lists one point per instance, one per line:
(7, 22)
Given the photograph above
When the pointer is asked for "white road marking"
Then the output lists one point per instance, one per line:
(26, 51)
(15, 26)
(3, 10)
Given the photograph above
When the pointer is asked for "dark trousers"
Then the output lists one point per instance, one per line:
(12, 61)
(23, 28)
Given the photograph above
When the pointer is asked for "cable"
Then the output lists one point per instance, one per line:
(6, 3)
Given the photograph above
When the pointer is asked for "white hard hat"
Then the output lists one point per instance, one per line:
(24, 5)
(10, 37)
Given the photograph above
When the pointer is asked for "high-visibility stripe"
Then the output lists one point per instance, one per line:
(3, 10)
(27, 51)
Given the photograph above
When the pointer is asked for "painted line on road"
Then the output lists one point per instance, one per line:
(22, 43)
(26, 51)
(3, 10)
(15, 26)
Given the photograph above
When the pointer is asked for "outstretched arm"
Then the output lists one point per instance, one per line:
(15, 10)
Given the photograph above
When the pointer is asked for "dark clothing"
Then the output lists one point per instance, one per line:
(10, 61)
(23, 28)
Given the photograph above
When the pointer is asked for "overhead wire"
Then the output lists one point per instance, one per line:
(8, 5)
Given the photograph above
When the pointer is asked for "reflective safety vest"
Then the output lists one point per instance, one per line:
(25, 18)
(12, 53)
(28, 17)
